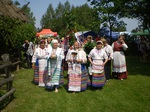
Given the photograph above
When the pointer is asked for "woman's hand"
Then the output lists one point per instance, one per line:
(70, 60)
(93, 63)
(33, 65)
(53, 56)
(79, 61)
(99, 64)
(103, 64)
(74, 60)
(109, 58)
(122, 41)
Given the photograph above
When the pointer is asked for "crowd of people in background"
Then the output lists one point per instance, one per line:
(50, 57)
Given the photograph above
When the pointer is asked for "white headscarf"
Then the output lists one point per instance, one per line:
(54, 41)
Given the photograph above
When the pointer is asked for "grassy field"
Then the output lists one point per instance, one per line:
(131, 95)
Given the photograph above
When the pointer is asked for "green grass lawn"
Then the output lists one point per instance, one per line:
(131, 95)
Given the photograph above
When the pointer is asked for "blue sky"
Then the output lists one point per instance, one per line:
(39, 7)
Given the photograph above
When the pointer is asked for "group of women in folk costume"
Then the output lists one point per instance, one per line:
(116, 54)
(47, 63)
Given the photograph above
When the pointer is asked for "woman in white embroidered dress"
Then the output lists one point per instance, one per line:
(96, 57)
(55, 76)
(74, 69)
(41, 53)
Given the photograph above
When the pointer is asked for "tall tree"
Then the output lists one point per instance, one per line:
(67, 6)
(60, 21)
(48, 18)
(86, 17)
(27, 11)
(67, 18)
(138, 9)
(107, 13)
(119, 27)
(30, 15)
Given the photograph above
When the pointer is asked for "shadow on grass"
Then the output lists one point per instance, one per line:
(135, 66)
(94, 88)
(34, 83)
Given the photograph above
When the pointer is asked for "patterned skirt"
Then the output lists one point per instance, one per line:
(77, 81)
(84, 78)
(98, 80)
(119, 62)
(49, 84)
(122, 75)
(42, 71)
(36, 73)
(55, 77)
(74, 82)
(61, 79)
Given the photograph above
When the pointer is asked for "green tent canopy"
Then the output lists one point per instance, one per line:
(145, 32)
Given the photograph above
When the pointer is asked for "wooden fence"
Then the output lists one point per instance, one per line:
(7, 80)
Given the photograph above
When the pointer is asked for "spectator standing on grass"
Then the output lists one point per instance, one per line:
(119, 68)
(109, 51)
(29, 49)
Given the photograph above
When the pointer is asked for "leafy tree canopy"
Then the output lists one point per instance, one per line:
(14, 31)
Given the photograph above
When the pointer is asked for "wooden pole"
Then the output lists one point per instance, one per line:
(7, 94)
(4, 81)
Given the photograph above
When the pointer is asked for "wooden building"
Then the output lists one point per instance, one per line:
(8, 9)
